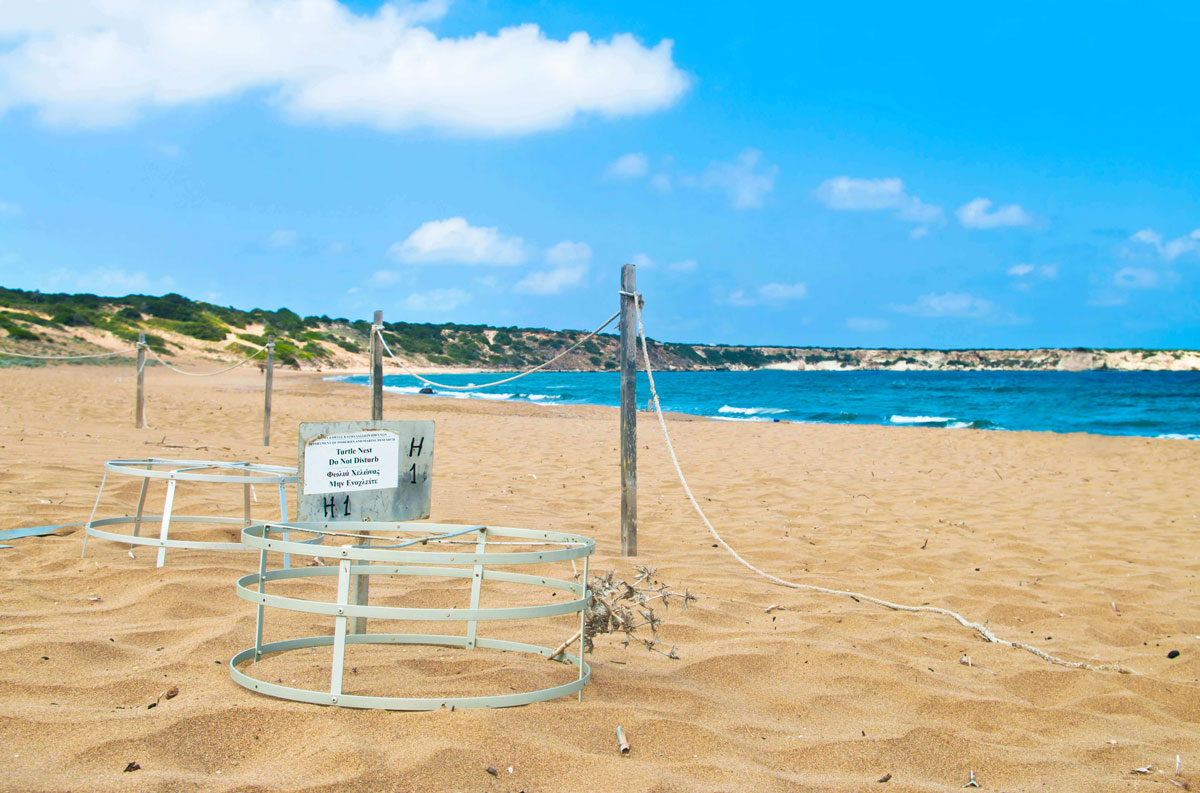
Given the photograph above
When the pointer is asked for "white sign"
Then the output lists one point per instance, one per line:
(353, 461)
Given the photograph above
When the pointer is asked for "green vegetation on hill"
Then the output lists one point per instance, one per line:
(45, 323)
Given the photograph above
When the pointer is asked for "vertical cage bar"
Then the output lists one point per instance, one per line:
(92, 517)
(476, 586)
(262, 586)
(587, 598)
(339, 631)
(283, 517)
(166, 522)
(137, 518)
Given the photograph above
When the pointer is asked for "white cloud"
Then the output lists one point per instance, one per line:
(11, 209)
(1148, 236)
(112, 281)
(99, 64)
(958, 305)
(661, 182)
(773, 293)
(849, 194)
(742, 180)
(282, 238)
(978, 214)
(782, 292)
(739, 299)
(682, 266)
(1172, 249)
(436, 300)
(387, 277)
(947, 304)
(629, 166)
(455, 240)
(569, 265)
(1047, 272)
(844, 192)
(551, 282)
(866, 324)
(1136, 278)
(568, 253)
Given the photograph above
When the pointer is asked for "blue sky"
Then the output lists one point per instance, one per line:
(870, 175)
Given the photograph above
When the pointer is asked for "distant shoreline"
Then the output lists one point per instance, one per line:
(183, 330)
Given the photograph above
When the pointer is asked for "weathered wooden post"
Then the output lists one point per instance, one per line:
(141, 381)
(360, 584)
(358, 471)
(628, 412)
(376, 368)
(267, 390)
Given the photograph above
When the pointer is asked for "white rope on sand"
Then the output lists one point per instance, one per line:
(205, 374)
(979, 628)
(68, 357)
(539, 367)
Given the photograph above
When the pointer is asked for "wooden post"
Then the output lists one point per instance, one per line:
(376, 369)
(360, 584)
(141, 381)
(267, 391)
(628, 413)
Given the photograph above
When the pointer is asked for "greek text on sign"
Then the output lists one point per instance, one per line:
(365, 470)
(352, 461)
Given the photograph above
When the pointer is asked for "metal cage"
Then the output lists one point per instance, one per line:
(368, 556)
(174, 472)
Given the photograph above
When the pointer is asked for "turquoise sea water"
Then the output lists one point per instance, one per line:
(1158, 404)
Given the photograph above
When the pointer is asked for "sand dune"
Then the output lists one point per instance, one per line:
(1082, 545)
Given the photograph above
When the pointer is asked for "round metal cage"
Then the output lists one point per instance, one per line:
(374, 554)
(173, 472)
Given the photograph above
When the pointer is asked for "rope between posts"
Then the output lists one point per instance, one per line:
(539, 367)
(68, 357)
(979, 628)
(205, 374)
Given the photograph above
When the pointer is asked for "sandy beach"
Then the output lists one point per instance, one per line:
(1082, 545)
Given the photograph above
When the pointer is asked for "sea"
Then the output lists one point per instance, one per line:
(1153, 404)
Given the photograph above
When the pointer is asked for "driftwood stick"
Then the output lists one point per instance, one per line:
(557, 651)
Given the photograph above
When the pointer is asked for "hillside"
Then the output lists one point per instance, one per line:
(181, 329)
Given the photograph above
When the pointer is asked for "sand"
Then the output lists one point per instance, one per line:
(1083, 545)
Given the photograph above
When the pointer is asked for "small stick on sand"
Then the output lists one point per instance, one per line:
(560, 648)
(622, 744)
(971, 782)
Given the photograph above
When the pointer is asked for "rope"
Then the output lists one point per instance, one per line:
(539, 367)
(68, 357)
(979, 628)
(205, 374)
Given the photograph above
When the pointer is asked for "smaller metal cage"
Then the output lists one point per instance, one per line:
(173, 472)
(380, 548)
